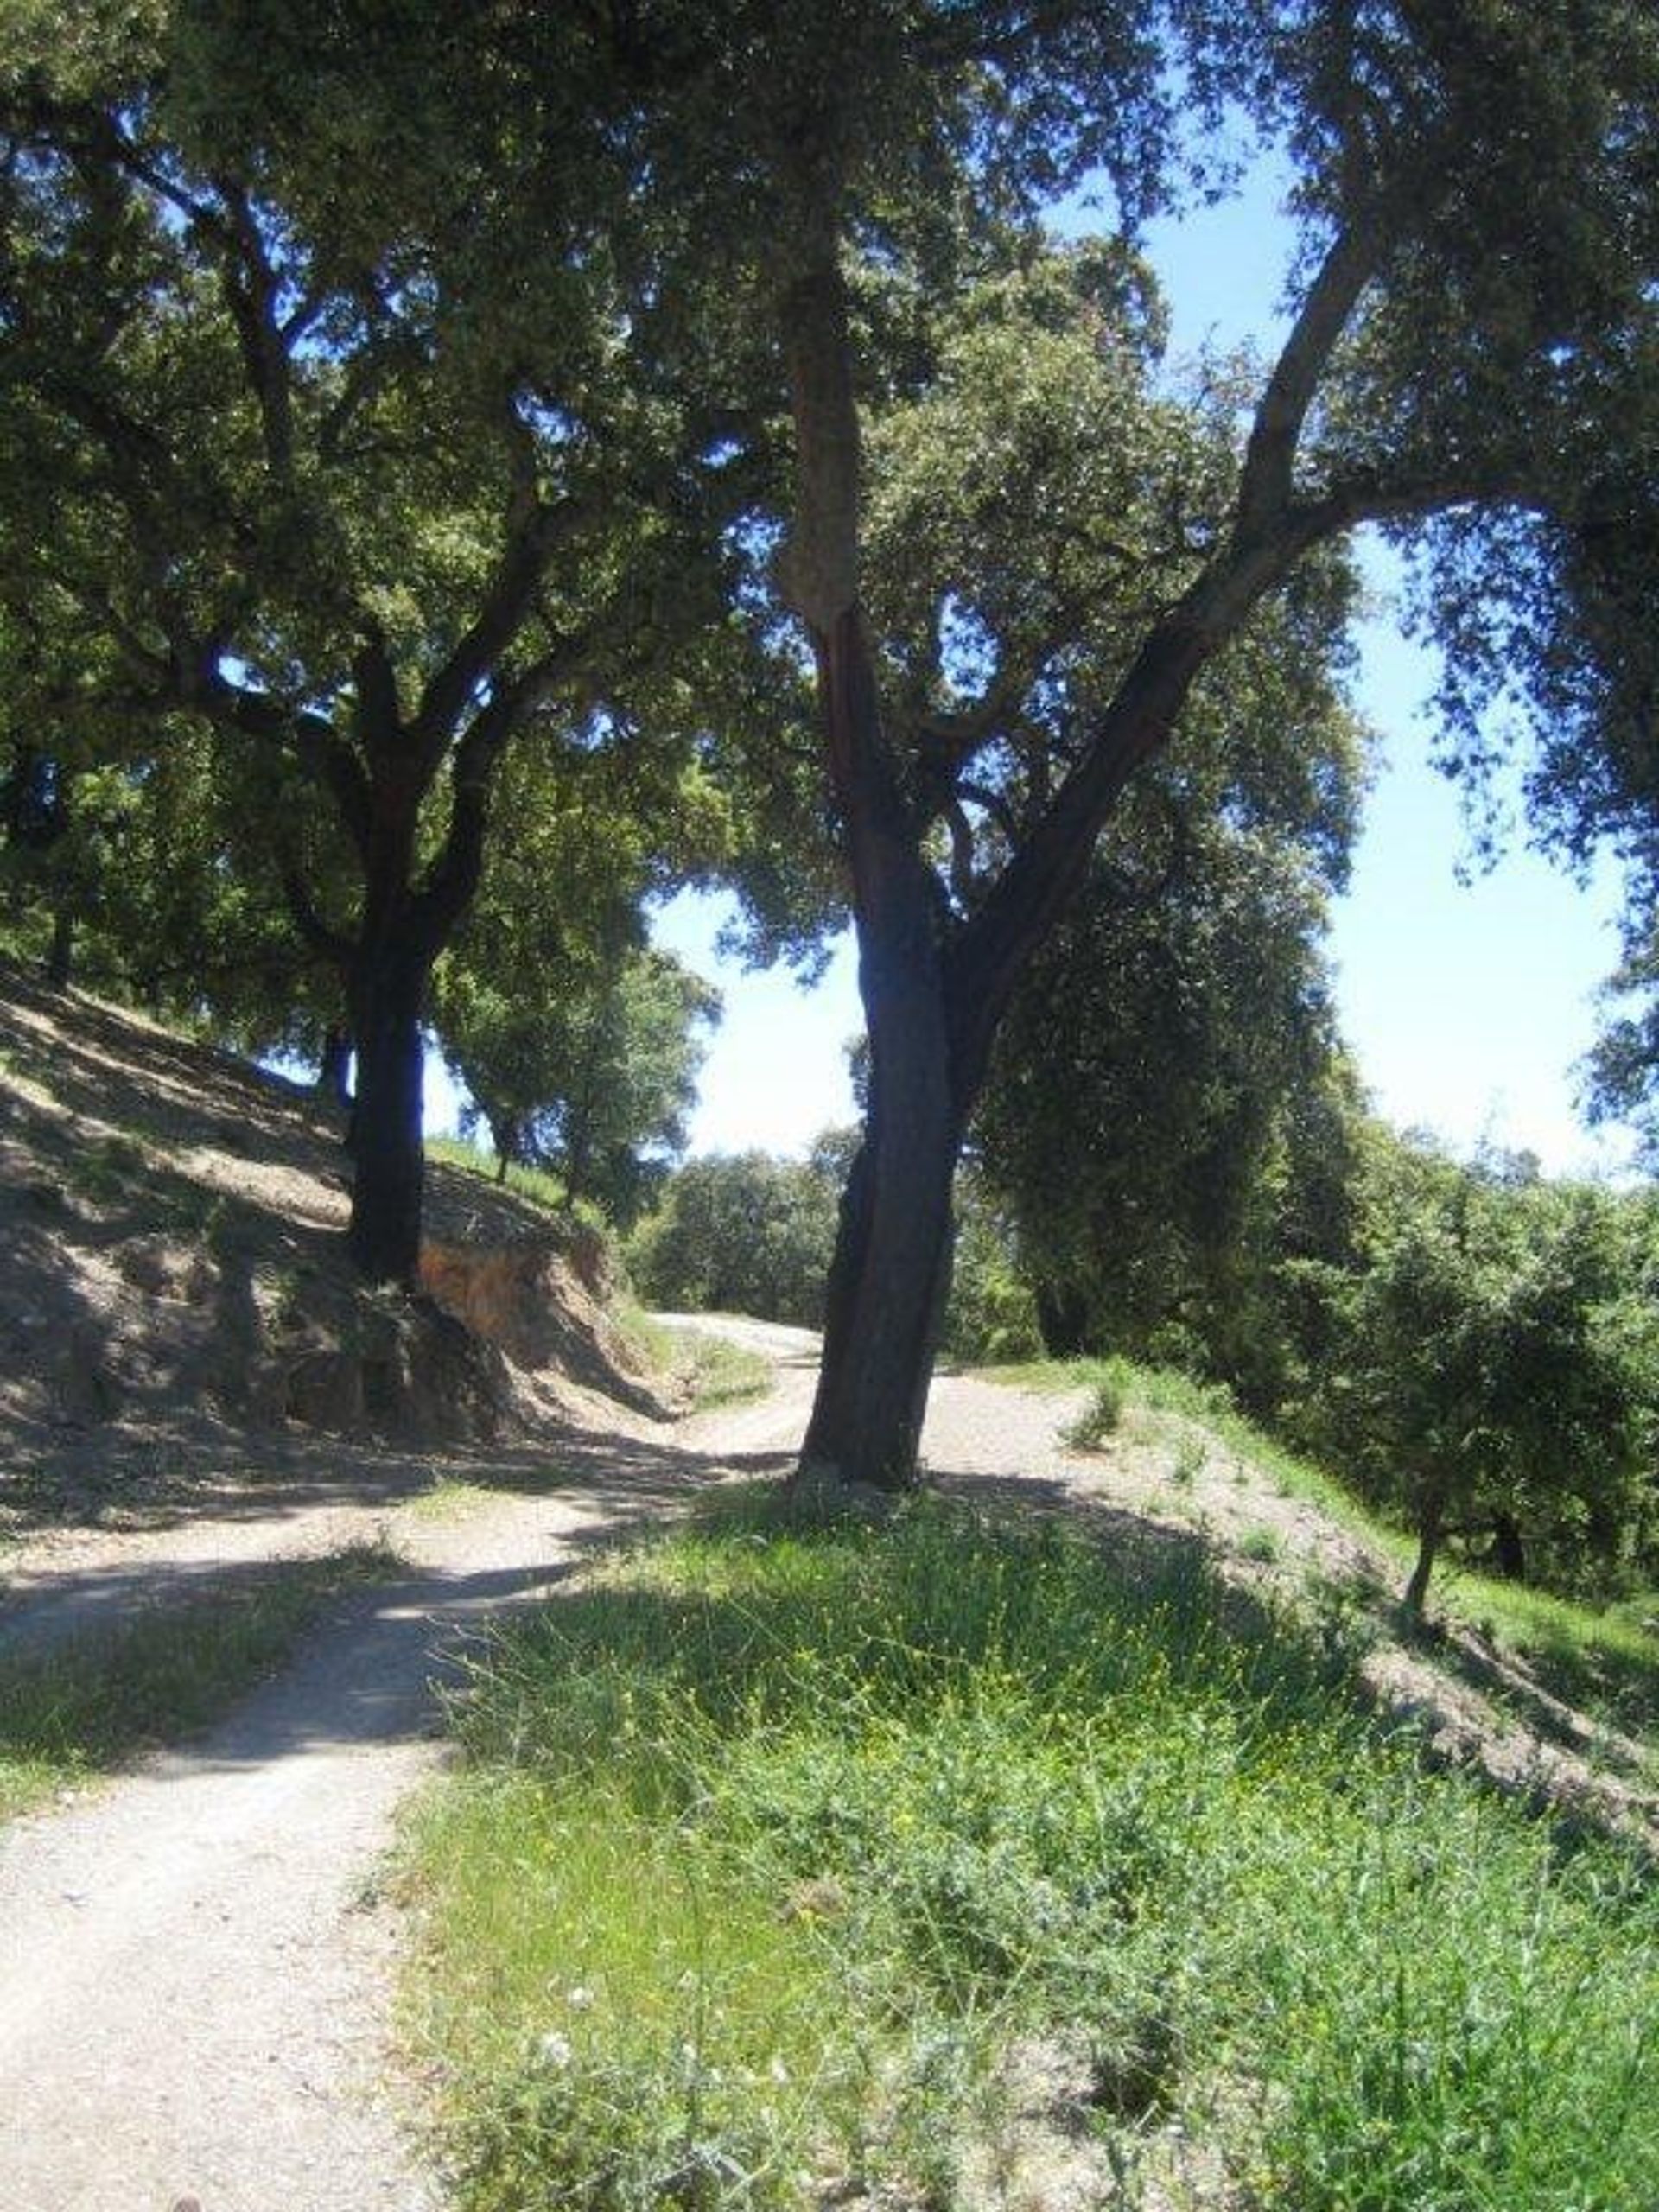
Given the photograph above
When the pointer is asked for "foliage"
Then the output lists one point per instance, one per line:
(592, 1078)
(1495, 1367)
(916, 1798)
(739, 1233)
(752, 1234)
(342, 462)
(163, 874)
(576, 1044)
(991, 1315)
(1168, 1046)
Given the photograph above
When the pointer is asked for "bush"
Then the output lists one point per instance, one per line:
(740, 1233)
(992, 1315)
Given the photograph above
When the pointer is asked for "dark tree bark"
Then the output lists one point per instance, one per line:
(1431, 1526)
(1509, 1547)
(889, 1276)
(61, 953)
(388, 998)
(1063, 1318)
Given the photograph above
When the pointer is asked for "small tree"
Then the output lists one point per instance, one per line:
(741, 1233)
(592, 1076)
(1496, 1373)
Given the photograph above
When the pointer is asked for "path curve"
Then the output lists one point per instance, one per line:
(197, 1970)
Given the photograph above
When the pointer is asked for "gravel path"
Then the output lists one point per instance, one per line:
(194, 1970)
(195, 1966)
(197, 1969)
(195, 1996)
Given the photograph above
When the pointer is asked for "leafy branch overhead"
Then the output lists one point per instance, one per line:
(604, 379)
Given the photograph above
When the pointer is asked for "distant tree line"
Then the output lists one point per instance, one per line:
(1470, 1347)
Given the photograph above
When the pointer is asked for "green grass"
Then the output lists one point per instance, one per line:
(451, 1498)
(901, 1801)
(1152, 1392)
(1101, 1417)
(721, 1374)
(84, 1708)
(1605, 1661)
(708, 1370)
(533, 1183)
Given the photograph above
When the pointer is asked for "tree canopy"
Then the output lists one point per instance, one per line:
(378, 392)
(337, 451)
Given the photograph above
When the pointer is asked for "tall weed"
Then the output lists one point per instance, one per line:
(823, 1823)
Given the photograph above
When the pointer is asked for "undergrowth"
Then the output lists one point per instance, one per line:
(87, 1707)
(705, 1369)
(782, 1849)
(1603, 1660)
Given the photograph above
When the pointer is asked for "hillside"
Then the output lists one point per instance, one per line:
(175, 1302)
(199, 1408)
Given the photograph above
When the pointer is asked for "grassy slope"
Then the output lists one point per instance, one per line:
(1603, 1661)
(924, 1814)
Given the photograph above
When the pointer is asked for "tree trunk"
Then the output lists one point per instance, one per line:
(61, 954)
(504, 1142)
(1063, 1316)
(891, 1273)
(1430, 1518)
(1508, 1548)
(889, 1276)
(387, 997)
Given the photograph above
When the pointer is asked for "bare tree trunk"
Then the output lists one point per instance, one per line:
(889, 1280)
(1431, 1520)
(61, 954)
(384, 1235)
(1509, 1547)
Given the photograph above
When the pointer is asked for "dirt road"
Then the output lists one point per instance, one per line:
(195, 1967)
(194, 1970)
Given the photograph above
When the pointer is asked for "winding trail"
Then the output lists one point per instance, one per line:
(195, 1969)
(196, 1963)
(195, 1966)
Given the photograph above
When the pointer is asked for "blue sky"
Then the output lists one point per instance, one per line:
(1467, 1001)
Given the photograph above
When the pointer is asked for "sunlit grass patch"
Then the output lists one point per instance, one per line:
(82, 1708)
(870, 1809)
(450, 1498)
(1605, 1662)
(707, 1370)
(638, 2022)
(535, 1184)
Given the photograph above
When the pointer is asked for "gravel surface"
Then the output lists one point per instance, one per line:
(196, 1999)
(195, 2003)
(196, 1994)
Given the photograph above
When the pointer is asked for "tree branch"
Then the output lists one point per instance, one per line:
(251, 293)
(331, 944)
(507, 604)
(1268, 478)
